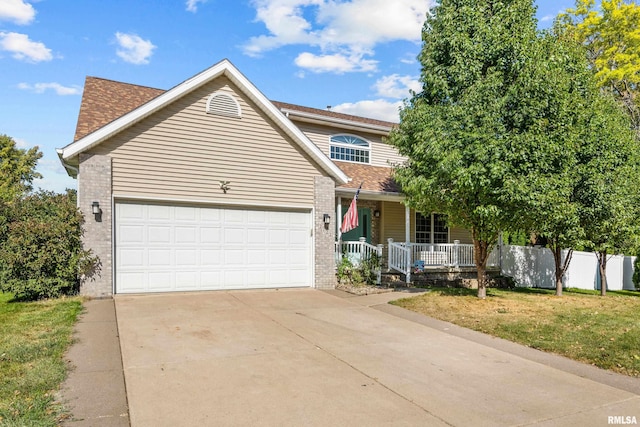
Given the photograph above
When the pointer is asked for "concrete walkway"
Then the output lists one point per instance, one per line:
(95, 391)
(305, 357)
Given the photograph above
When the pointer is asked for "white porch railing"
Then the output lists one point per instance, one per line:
(400, 258)
(360, 251)
(403, 257)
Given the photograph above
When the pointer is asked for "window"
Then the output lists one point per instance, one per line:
(431, 228)
(350, 148)
(223, 104)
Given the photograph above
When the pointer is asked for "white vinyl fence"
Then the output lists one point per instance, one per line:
(534, 267)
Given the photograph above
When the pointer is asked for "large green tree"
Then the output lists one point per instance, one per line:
(17, 169)
(462, 132)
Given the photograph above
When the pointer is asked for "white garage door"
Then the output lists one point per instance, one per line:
(182, 248)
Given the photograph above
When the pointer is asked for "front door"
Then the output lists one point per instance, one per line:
(364, 226)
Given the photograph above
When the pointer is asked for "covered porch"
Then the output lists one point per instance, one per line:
(406, 241)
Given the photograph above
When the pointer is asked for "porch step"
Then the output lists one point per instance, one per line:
(440, 278)
(392, 279)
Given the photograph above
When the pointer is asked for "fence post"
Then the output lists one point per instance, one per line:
(389, 242)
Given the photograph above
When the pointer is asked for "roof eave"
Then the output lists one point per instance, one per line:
(371, 195)
(343, 123)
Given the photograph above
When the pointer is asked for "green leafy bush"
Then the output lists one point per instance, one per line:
(636, 272)
(41, 254)
(361, 274)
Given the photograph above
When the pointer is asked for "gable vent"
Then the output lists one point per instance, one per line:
(223, 104)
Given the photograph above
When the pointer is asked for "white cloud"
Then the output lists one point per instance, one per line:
(336, 63)
(547, 18)
(23, 48)
(192, 5)
(337, 28)
(16, 11)
(134, 49)
(21, 143)
(397, 86)
(376, 109)
(56, 87)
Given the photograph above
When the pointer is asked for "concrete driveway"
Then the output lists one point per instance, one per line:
(306, 357)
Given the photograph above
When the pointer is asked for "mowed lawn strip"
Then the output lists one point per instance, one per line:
(33, 339)
(581, 325)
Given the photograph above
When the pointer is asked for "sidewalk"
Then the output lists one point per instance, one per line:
(95, 392)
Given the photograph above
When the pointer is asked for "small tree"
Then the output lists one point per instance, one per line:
(17, 169)
(607, 191)
(42, 255)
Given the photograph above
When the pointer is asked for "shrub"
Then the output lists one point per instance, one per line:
(41, 254)
(361, 274)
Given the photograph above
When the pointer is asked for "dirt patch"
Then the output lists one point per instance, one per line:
(363, 289)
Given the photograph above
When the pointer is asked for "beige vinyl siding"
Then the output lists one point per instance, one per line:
(381, 154)
(461, 234)
(181, 152)
(393, 222)
(393, 225)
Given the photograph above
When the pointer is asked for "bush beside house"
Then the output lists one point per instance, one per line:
(41, 254)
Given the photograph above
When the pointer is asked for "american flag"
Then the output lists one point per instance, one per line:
(350, 220)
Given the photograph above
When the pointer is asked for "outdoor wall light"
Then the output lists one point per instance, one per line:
(95, 208)
(376, 213)
(326, 218)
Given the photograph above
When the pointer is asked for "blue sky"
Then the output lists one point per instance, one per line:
(357, 56)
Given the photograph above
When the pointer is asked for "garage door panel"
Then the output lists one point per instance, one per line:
(157, 212)
(234, 235)
(209, 235)
(133, 282)
(210, 257)
(298, 237)
(159, 257)
(181, 248)
(185, 214)
(186, 257)
(186, 280)
(158, 234)
(132, 234)
(132, 257)
(160, 280)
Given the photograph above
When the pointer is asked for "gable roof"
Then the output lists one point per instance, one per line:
(105, 100)
(94, 128)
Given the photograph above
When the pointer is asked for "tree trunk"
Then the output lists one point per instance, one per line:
(602, 264)
(561, 267)
(481, 252)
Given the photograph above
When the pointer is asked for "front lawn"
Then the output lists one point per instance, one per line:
(603, 331)
(33, 339)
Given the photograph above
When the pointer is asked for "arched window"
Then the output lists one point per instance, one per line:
(350, 149)
(223, 104)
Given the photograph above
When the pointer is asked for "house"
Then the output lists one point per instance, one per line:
(210, 185)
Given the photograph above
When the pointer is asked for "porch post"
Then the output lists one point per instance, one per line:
(339, 218)
(407, 238)
(407, 224)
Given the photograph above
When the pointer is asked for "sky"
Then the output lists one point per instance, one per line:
(356, 56)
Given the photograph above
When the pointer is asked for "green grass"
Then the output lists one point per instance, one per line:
(33, 339)
(603, 331)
